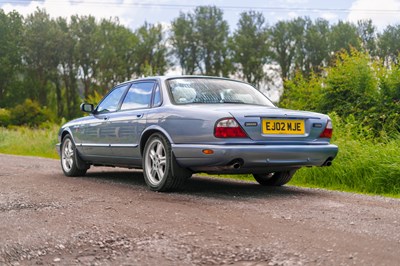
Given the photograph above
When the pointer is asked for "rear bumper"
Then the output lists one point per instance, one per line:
(252, 158)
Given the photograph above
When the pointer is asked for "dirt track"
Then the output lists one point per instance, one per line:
(110, 218)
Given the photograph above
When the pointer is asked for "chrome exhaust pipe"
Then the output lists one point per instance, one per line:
(236, 164)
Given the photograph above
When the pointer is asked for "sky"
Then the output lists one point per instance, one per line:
(133, 13)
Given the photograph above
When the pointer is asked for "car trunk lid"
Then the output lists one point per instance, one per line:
(275, 124)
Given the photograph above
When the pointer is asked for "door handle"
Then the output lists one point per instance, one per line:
(105, 118)
(139, 115)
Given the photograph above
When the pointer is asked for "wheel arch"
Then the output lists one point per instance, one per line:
(64, 133)
(67, 131)
(150, 131)
(78, 167)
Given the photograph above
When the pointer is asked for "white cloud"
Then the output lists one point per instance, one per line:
(66, 8)
(129, 13)
(295, 1)
(382, 12)
(329, 16)
(293, 15)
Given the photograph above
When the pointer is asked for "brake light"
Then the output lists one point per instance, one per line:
(228, 128)
(327, 133)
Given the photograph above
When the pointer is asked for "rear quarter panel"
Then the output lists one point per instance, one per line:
(186, 124)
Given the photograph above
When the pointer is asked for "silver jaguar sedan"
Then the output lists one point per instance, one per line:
(172, 127)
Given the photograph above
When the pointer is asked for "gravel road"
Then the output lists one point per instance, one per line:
(109, 217)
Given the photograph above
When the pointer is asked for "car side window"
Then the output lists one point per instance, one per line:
(138, 96)
(157, 96)
(111, 102)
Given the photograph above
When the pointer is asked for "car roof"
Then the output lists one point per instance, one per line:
(166, 77)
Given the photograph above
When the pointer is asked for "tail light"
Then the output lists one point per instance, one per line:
(228, 128)
(327, 133)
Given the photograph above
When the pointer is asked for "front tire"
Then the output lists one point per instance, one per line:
(70, 157)
(275, 178)
(158, 165)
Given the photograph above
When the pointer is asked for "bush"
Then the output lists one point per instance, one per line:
(301, 93)
(357, 87)
(94, 98)
(351, 86)
(30, 114)
(5, 117)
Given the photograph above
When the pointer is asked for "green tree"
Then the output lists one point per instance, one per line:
(367, 32)
(185, 43)
(316, 46)
(343, 35)
(389, 45)
(250, 46)
(212, 32)
(283, 40)
(67, 90)
(84, 31)
(298, 28)
(11, 31)
(11, 28)
(41, 56)
(150, 51)
(116, 58)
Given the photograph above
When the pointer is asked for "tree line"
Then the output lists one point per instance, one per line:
(58, 62)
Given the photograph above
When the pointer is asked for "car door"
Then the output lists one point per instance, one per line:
(96, 134)
(129, 122)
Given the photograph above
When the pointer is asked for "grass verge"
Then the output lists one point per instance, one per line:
(361, 166)
(27, 141)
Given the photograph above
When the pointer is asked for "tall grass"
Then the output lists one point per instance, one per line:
(361, 166)
(365, 163)
(28, 141)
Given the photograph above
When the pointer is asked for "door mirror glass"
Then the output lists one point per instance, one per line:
(87, 107)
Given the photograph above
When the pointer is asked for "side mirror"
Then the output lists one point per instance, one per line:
(87, 107)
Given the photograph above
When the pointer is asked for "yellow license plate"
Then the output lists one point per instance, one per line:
(285, 127)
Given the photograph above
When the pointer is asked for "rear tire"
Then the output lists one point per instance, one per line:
(70, 160)
(275, 178)
(159, 164)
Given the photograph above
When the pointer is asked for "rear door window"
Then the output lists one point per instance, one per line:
(138, 96)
